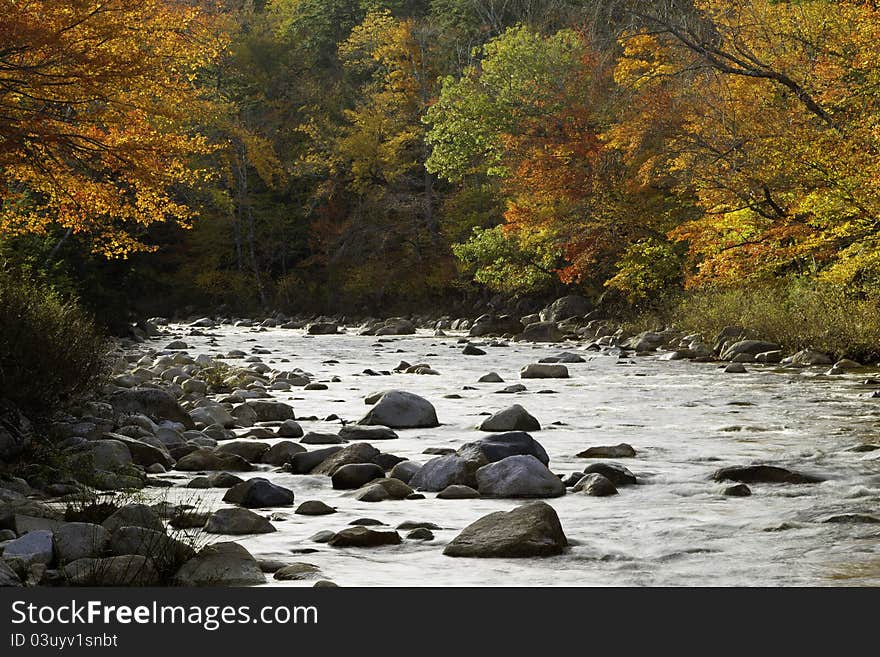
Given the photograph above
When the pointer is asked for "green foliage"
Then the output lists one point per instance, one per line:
(50, 350)
(647, 271)
(508, 262)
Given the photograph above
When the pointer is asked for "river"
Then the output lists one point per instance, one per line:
(684, 419)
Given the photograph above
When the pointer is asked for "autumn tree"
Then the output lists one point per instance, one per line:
(96, 102)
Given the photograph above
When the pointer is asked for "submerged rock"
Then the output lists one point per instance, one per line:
(531, 530)
(764, 474)
(513, 418)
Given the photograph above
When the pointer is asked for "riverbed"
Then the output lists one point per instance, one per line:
(684, 419)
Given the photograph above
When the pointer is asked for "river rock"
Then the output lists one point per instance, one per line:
(495, 325)
(323, 328)
(364, 537)
(360, 432)
(271, 411)
(297, 571)
(207, 459)
(735, 368)
(210, 414)
(438, 473)
(541, 332)
(79, 540)
(33, 547)
(531, 530)
(290, 429)
(8, 577)
(499, 446)
(405, 470)
(471, 350)
(305, 462)
(566, 307)
(164, 551)
(315, 438)
(621, 451)
(617, 474)
(281, 453)
(401, 410)
(420, 534)
(355, 475)
(807, 358)
(145, 454)
(258, 493)
(16, 432)
(155, 404)
(514, 418)
(356, 453)
(764, 474)
(235, 521)
(739, 490)
(250, 450)
(491, 377)
(458, 492)
(133, 515)
(596, 485)
(220, 564)
(314, 508)
(752, 347)
(518, 476)
(539, 371)
(126, 570)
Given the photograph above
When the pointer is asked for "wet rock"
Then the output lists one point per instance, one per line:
(164, 551)
(518, 476)
(471, 350)
(216, 480)
(33, 547)
(401, 410)
(500, 446)
(509, 390)
(79, 540)
(751, 347)
(420, 534)
(8, 577)
(281, 453)
(211, 414)
(250, 450)
(417, 524)
(189, 519)
(764, 474)
(143, 453)
(364, 537)
(356, 453)
(495, 325)
(514, 418)
(596, 485)
(621, 451)
(323, 328)
(133, 515)
(735, 368)
(491, 377)
(315, 438)
(208, 459)
(739, 490)
(617, 474)
(155, 404)
(236, 521)
(405, 470)
(360, 432)
(443, 471)
(126, 570)
(322, 536)
(531, 530)
(290, 429)
(271, 411)
(458, 492)
(541, 332)
(566, 307)
(305, 462)
(539, 371)
(314, 508)
(384, 489)
(220, 564)
(258, 493)
(355, 475)
(852, 518)
(297, 571)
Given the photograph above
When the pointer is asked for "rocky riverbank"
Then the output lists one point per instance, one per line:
(210, 439)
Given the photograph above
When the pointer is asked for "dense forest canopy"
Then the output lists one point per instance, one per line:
(365, 155)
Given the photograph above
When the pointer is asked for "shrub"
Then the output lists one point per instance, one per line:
(50, 350)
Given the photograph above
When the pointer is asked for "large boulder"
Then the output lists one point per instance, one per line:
(495, 325)
(250, 450)
(543, 371)
(305, 462)
(383, 489)
(133, 515)
(126, 570)
(165, 551)
(156, 404)
(79, 540)
(206, 458)
(616, 474)
(764, 474)
(748, 347)
(514, 418)
(364, 537)
(596, 485)
(33, 547)
(518, 476)
(401, 410)
(541, 332)
(499, 446)
(107, 455)
(220, 564)
(443, 471)
(531, 530)
(360, 432)
(235, 521)
(271, 411)
(143, 453)
(807, 358)
(281, 452)
(355, 475)
(396, 326)
(210, 413)
(356, 453)
(323, 328)
(8, 577)
(572, 305)
(258, 493)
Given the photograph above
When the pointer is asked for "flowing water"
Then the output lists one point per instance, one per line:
(684, 419)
